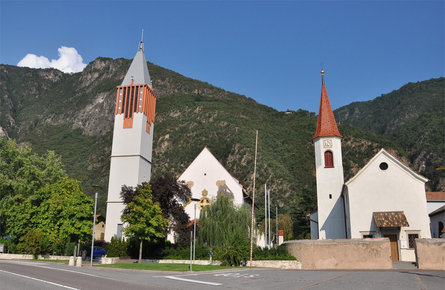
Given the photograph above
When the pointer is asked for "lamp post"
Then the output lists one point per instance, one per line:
(94, 224)
(194, 229)
(193, 241)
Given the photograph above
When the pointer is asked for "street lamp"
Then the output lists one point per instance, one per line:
(192, 256)
(94, 225)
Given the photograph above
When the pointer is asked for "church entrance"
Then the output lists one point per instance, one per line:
(394, 247)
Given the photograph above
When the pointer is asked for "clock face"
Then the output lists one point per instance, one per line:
(327, 143)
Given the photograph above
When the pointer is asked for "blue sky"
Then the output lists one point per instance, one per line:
(271, 51)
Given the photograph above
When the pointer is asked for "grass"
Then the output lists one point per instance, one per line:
(164, 267)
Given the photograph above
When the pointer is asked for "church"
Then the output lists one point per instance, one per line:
(384, 199)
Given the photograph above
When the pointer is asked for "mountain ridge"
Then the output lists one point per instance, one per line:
(73, 114)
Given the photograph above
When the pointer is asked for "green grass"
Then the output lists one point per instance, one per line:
(165, 267)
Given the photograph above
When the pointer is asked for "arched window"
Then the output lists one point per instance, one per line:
(328, 159)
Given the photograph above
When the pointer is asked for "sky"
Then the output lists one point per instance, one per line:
(271, 51)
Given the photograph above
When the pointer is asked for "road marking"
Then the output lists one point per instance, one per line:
(53, 268)
(237, 275)
(40, 280)
(192, 281)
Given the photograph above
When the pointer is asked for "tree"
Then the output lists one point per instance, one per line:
(170, 194)
(226, 227)
(22, 175)
(65, 214)
(142, 216)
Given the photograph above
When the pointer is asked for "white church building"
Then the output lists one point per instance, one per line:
(208, 179)
(384, 199)
(132, 139)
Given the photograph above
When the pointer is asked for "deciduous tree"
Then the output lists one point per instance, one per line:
(143, 217)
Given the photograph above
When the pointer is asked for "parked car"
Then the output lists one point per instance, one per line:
(98, 252)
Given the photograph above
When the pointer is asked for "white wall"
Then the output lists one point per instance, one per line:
(205, 171)
(331, 222)
(394, 189)
(130, 165)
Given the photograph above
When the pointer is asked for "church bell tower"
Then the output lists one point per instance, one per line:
(132, 138)
(329, 171)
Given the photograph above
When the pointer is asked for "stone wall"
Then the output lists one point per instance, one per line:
(342, 253)
(4, 256)
(430, 254)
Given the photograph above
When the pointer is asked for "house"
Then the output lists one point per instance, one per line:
(437, 221)
(434, 200)
(384, 199)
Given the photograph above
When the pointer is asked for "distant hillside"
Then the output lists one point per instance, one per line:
(412, 116)
(73, 115)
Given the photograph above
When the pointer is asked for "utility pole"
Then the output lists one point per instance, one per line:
(268, 215)
(276, 225)
(253, 199)
(265, 215)
(94, 225)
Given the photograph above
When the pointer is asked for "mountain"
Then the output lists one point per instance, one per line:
(413, 117)
(72, 114)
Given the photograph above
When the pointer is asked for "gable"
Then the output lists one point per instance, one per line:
(386, 163)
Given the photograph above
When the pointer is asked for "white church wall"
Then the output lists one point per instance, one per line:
(395, 189)
(331, 222)
(206, 173)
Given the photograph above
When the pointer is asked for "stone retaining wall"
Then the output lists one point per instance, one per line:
(342, 253)
(430, 254)
(4, 256)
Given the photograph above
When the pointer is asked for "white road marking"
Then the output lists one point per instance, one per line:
(53, 268)
(40, 280)
(192, 281)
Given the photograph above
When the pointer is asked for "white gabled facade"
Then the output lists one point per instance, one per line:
(385, 184)
(207, 178)
(132, 139)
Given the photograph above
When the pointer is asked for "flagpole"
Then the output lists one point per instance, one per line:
(253, 199)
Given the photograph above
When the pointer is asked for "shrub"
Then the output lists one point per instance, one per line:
(34, 242)
(117, 248)
(279, 253)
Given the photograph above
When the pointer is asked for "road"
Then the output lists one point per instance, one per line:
(40, 275)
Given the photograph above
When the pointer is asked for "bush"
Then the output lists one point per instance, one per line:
(279, 253)
(34, 242)
(183, 253)
(235, 253)
(117, 248)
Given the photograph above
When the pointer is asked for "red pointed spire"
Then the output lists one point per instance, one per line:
(326, 125)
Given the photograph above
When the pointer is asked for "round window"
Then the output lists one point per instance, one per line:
(383, 166)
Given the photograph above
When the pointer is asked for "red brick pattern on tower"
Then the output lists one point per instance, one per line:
(326, 125)
(136, 99)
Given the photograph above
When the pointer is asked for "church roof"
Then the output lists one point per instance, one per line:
(138, 71)
(326, 125)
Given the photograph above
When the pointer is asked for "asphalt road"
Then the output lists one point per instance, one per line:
(40, 275)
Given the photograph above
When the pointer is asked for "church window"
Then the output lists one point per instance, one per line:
(328, 159)
(383, 166)
(412, 240)
(330, 196)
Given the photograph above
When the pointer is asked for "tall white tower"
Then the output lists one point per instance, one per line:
(132, 138)
(329, 172)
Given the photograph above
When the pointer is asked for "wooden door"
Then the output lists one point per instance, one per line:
(394, 247)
